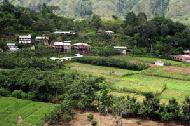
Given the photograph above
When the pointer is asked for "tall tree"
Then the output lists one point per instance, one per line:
(96, 22)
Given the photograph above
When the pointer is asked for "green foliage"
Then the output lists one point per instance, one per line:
(104, 51)
(94, 123)
(19, 94)
(159, 36)
(90, 116)
(10, 60)
(96, 22)
(151, 109)
(103, 61)
(4, 92)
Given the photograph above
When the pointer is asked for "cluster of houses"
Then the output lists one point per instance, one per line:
(64, 46)
(80, 48)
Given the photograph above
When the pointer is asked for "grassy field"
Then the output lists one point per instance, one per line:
(150, 60)
(154, 79)
(31, 112)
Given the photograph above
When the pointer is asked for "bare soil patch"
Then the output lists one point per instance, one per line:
(180, 70)
(81, 120)
(173, 69)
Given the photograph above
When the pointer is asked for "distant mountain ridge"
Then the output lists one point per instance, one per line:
(174, 9)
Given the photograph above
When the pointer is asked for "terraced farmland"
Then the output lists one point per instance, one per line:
(166, 84)
(31, 112)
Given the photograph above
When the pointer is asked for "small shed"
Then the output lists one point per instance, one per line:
(82, 48)
(121, 49)
(109, 32)
(12, 47)
(159, 63)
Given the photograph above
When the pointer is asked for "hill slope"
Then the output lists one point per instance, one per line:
(175, 9)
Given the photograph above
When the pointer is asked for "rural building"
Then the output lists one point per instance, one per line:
(183, 58)
(65, 47)
(82, 48)
(65, 32)
(187, 52)
(43, 39)
(67, 41)
(109, 32)
(121, 49)
(12, 47)
(25, 39)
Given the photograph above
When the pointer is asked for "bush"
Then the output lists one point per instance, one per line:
(4, 92)
(106, 51)
(94, 123)
(19, 94)
(11, 61)
(90, 116)
(110, 62)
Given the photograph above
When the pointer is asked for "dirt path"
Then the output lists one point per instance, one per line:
(81, 120)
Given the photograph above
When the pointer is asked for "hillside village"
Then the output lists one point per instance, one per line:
(59, 71)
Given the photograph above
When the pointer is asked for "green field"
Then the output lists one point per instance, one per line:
(31, 112)
(150, 60)
(154, 79)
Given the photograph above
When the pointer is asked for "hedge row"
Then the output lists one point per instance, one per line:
(110, 62)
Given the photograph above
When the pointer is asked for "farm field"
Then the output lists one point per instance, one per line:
(124, 82)
(150, 60)
(31, 112)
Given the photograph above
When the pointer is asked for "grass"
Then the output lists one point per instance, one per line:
(127, 82)
(31, 112)
(150, 60)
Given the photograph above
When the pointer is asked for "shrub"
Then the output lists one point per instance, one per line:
(19, 94)
(107, 51)
(94, 123)
(90, 116)
(4, 92)
(110, 62)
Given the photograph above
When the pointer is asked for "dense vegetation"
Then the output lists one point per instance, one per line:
(152, 109)
(103, 61)
(158, 37)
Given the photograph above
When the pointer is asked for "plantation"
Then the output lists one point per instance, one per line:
(34, 113)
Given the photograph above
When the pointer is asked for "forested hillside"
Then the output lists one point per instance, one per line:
(175, 9)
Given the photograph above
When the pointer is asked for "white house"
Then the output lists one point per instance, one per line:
(61, 45)
(25, 39)
(12, 47)
(121, 49)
